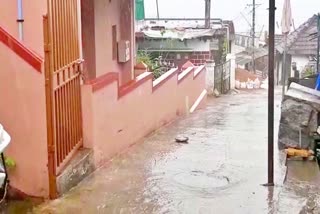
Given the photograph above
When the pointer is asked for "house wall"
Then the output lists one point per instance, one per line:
(261, 64)
(23, 114)
(107, 14)
(301, 61)
(114, 115)
(165, 44)
(279, 68)
(179, 52)
(33, 26)
(180, 58)
(200, 58)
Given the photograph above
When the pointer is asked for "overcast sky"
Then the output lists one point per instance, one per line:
(302, 10)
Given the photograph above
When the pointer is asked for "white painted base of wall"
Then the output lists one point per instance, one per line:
(198, 101)
(210, 78)
(232, 58)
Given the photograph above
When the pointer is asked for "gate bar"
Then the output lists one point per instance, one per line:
(49, 110)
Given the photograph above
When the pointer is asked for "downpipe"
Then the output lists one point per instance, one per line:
(20, 19)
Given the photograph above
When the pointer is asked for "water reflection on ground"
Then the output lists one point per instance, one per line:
(220, 171)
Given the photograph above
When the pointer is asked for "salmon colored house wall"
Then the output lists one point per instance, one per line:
(33, 27)
(8, 16)
(22, 95)
(117, 117)
(23, 114)
(104, 14)
(117, 111)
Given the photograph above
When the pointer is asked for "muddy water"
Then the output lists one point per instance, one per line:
(13, 207)
(301, 189)
(220, 171)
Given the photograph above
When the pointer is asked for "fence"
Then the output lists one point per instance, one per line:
(222, 77)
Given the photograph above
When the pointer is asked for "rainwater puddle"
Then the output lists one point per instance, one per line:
(202, 181)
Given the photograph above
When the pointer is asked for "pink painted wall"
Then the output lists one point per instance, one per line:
(23, 114)
(108, 13)
(113, 121)
(33, 28)
(8, 16)
(33, 24)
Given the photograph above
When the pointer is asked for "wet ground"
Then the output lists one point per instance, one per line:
(220, 171)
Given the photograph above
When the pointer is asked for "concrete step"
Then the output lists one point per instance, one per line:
(79, 168)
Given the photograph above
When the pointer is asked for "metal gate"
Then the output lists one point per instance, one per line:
(63, 96)
(222, 77)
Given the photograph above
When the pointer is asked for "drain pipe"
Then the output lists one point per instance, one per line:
(20, 19)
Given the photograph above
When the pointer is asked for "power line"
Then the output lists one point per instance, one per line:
(242, 11)
(245, 18)
(242, 14)
(253, 31)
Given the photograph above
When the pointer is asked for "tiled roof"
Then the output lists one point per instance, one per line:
(301, 41)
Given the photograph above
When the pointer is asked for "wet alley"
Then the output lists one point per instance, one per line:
(220, 170)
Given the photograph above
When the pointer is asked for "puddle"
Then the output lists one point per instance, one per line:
(202, 181)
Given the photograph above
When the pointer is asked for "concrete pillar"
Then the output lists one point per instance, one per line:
(210, 77)
(88, 38)
(127, 20)
(232, 59)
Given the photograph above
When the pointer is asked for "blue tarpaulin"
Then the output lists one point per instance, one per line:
(318, 83)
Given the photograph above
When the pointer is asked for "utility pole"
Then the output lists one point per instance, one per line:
(207, 13)
(272, 8)
(253, 34)
(158, 16)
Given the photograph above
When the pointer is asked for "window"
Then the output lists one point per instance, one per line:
(114, 43)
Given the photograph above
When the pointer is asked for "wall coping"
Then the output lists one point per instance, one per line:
(184, 74)
(198, 71)
(164, 78)
(100, 82)
(108, 78)
(21, 50)
(130, 86)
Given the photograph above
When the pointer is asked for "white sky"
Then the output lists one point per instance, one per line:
(302, 10)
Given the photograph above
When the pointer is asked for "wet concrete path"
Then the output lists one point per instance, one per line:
(220, 171)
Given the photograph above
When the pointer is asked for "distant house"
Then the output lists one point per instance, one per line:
(244, 60)
(302, 49)
(179, 41)
(244, 53)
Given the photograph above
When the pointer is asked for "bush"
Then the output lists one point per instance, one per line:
(152, 62)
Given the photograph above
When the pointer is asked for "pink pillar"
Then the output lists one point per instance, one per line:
(88, 38)
(127, 33)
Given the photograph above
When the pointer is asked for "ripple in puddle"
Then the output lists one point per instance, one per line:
(202, 181)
